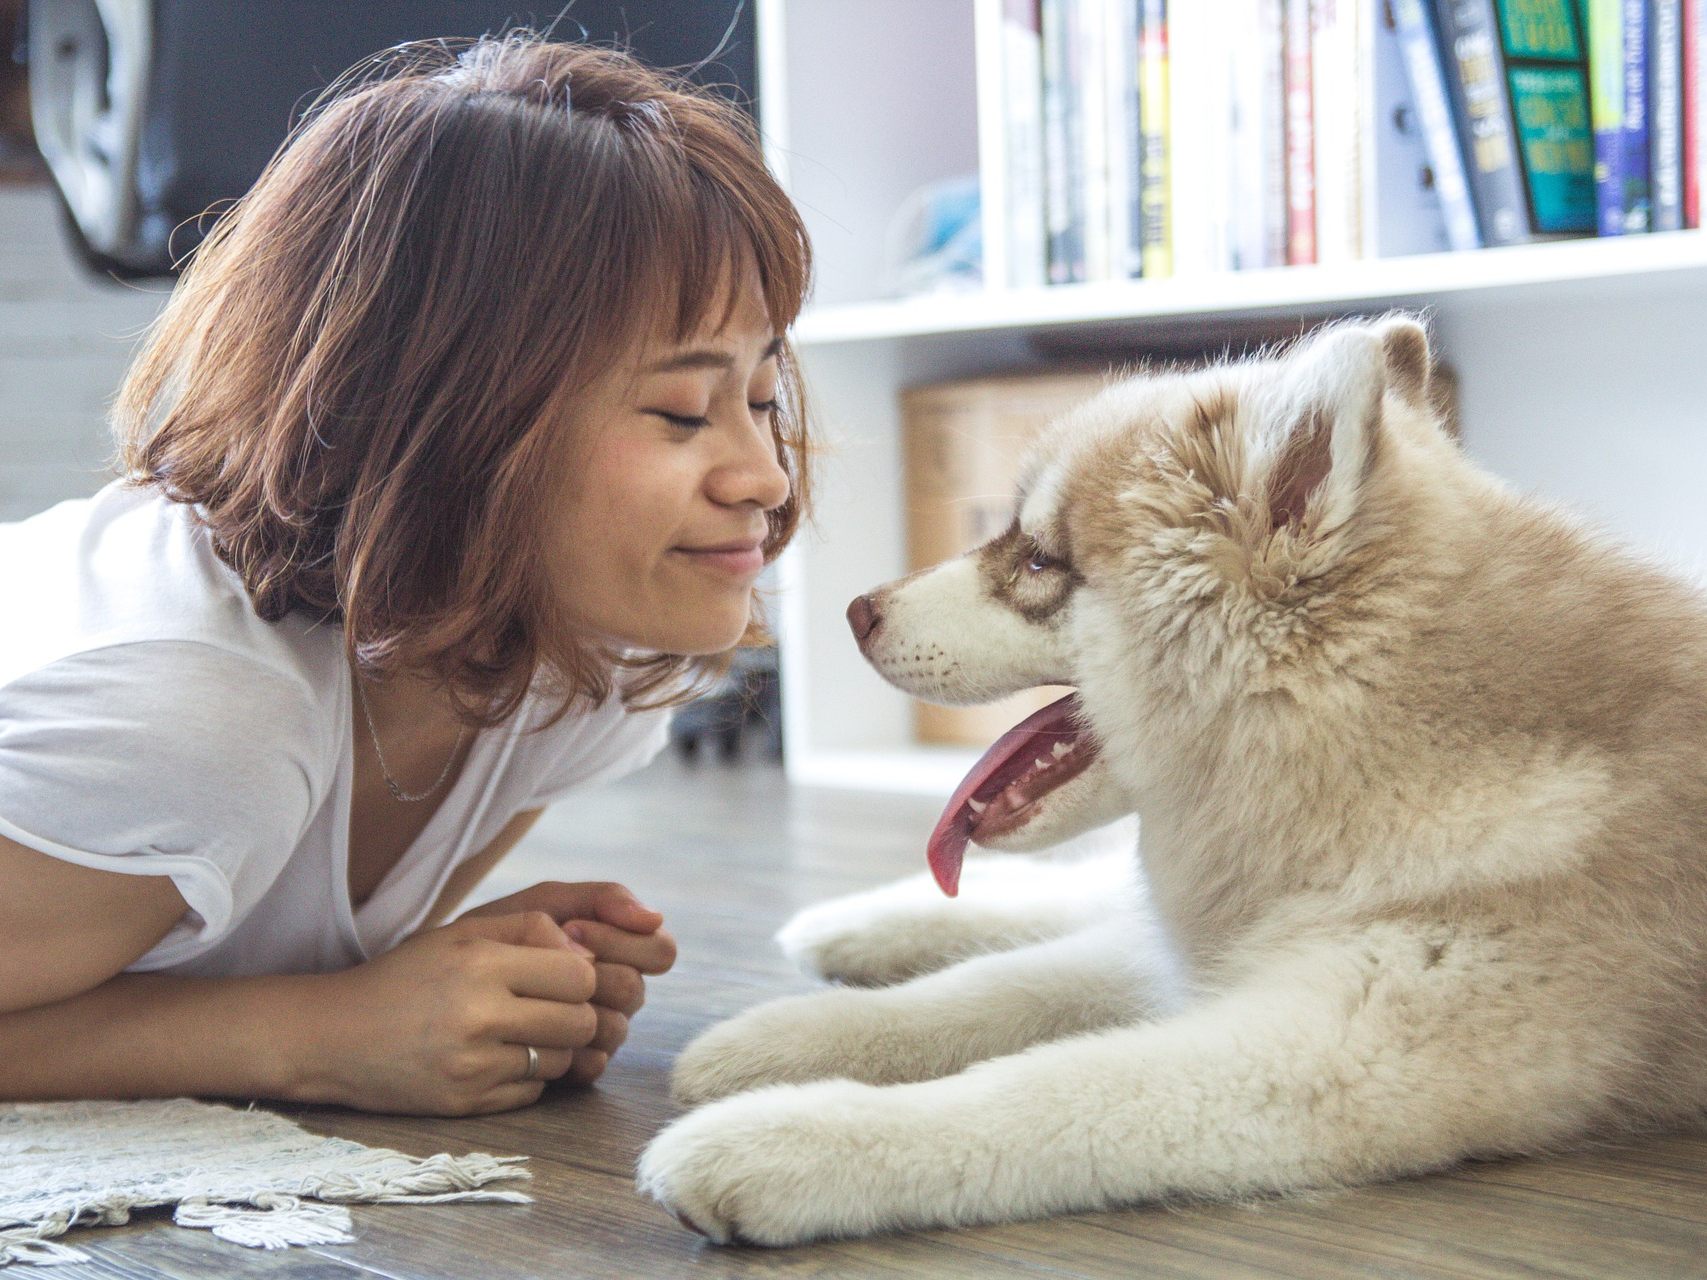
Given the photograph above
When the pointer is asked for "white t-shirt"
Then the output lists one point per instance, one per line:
(151, 723)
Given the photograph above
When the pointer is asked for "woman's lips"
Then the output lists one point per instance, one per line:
(738, 559)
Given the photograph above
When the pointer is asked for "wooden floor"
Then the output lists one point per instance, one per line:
(727, 854)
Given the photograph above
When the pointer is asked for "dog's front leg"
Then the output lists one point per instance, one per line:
(908, 928)
(936, 1025)
(1281, 1088)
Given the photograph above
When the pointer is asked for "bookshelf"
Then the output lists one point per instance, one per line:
(1581, 364)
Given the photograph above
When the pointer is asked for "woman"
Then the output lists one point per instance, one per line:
(453, 458)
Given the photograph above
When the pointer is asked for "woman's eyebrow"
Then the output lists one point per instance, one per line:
(706, 358)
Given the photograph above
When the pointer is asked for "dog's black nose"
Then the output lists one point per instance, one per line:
(862, 617)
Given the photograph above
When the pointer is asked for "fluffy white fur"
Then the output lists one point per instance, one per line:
(1422, 773)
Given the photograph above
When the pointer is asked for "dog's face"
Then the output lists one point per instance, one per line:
(1179, 543)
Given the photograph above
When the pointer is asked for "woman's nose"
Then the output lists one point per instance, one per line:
(756, 476)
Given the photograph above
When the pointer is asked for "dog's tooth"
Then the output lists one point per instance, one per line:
(1042, 763)
(977, 806)
(1060, 749)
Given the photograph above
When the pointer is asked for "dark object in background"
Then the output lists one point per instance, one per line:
(748, 700)
(148, 112)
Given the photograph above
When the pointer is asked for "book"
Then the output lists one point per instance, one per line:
(1665, 113)
(1087, 114)
(1063, 220)
(1401, 212)
(1419, 48)
(1473, 64)
(1545, 54)
(1337, 73)
(1025, 234)
(1300, 136)
(1199, 120)
(1257, 153)
(1155, 195)
(1618, 65)
(1120, 82)
(1694, 117)
(1431, 111)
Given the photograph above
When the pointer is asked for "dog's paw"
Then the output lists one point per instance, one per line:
(885, 935)
(777, 1167)
(789, 1041)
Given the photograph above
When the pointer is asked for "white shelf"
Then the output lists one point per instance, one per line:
(1544, 266)
(1579, 362)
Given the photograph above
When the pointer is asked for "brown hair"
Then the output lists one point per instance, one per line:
(358, 377)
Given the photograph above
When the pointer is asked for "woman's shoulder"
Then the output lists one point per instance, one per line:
(131, 576)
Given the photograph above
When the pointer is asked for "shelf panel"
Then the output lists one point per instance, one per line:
(1249, 293)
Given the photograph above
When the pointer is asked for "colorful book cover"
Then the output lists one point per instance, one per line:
(1300, 137)
(1154, 181)
(1618, 66)
(1545, 51)
(1665, 113)
(1421, 51)
(1474, 65)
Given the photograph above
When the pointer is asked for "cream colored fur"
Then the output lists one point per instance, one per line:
(1422, 773)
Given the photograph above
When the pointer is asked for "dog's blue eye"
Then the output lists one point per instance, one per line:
(1040, 562)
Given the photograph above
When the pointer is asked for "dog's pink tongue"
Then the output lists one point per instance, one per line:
(946, 849)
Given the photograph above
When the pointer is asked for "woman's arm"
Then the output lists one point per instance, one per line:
(435, 1026)
(65, 928)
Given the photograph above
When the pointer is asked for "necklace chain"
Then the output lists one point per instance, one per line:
(397, 792)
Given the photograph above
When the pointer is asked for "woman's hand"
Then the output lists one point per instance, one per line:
(627, 941)
(440, 1025)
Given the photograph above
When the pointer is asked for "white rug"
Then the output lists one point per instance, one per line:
(247, 1176)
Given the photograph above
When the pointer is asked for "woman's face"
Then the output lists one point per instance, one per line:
(675, 468)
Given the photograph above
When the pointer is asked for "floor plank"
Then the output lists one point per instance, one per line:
(727, 855)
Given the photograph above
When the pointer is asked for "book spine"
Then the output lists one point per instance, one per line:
(1333, 116)
(1422, 54)
(1155, 196)
(1120, 54)
(1090, 109)
(1637, 198)
(1694, 12)
(1271, 32)
(1475, 74)
(1606, 102)
(1022, 110)
(1057, 140)
(1300, 137)
(1245, 155)
(1546, 61)
(1665, 113)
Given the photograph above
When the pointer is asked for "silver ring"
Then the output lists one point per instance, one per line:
(532, 1072)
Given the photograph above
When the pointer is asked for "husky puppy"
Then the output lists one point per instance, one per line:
(1421, 767)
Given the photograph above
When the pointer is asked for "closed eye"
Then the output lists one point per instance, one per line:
(687, 423)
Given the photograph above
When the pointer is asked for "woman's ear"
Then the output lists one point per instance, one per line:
(1328, 428)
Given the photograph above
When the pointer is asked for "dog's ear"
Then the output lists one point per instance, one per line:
(1410, 364)
(1329, 411)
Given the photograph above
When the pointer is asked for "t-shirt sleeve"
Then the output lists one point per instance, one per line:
(163, 758)
(599, 746)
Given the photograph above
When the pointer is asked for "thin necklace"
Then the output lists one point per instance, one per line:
(397, 792)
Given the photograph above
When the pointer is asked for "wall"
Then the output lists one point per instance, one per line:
(65, 340)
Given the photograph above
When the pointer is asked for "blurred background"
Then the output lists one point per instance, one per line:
(125, 125)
